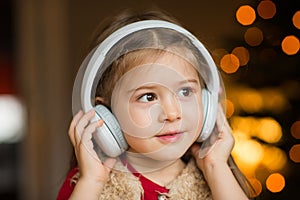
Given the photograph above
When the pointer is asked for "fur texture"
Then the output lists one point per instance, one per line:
(189, 185)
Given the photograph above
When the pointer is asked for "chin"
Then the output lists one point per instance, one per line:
(167, 154)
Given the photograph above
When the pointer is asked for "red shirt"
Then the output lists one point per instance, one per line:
(151, 190)
(68, 186)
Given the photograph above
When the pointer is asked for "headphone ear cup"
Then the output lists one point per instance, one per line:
(208, 115)
(109, 136)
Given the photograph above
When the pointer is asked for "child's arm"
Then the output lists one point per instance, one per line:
(217, 172)
(93, 174)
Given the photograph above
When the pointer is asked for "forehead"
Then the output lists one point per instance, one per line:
(183, 62)
(167, 69)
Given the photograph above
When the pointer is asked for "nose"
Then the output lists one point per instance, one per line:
(171, 109)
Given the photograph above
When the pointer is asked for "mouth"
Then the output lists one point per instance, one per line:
(170, 137)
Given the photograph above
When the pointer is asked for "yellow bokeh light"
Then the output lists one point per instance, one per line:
(277, 103)
(290, 45)
(295, 153)
(248, 153)
(295, 129)
(245, 15)
(243, 55)
(253, 36)
(275, 182)
(269, 130)
(266, 9)
(250, 100)
(274, 158)
(229, 63)
(296, 19)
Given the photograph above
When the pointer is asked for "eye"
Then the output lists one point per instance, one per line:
(185, 92)
(147, 97)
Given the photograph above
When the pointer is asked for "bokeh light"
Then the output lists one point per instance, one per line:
(243, 55)
(296, 19)
(248, 152)
(256, 184)
(274, 158)
(229, 63)
(266, 9)
(250, 100)
(229, 108)
(294, 153)
(245, 15)
(275, 182)
(290, 45)
(295, 129)
(12, 119)
(277, 103)
(269, 130)
(253, 36)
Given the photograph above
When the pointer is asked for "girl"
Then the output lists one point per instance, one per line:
(154, 83)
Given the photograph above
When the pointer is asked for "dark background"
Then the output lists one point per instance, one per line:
(43, 42)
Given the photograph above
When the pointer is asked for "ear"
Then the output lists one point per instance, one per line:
(102, 101)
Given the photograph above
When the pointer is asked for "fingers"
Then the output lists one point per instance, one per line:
(81, 129)
(109, 164)
(195, 148)
(73, 124)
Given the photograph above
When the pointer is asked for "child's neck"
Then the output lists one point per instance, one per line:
(160, 172)
(166, 175)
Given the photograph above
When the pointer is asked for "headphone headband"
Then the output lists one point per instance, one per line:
(97, 56)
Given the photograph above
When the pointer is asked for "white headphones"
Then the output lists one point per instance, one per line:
(110, 137)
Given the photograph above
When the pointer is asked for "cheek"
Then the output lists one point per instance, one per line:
(193, 115)
(142, 121)
(140, 118)
(138, 145)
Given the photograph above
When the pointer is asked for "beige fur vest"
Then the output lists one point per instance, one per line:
(190, 184)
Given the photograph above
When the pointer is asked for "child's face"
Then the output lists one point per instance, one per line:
(158, 105)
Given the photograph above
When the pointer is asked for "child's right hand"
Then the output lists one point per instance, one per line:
(90, 166)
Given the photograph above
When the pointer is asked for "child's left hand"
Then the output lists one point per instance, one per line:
(221, 150)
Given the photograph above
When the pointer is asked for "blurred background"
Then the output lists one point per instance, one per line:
(254, 43)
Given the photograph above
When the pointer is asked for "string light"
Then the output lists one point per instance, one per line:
(266, 9)
(253, 36)
(245, 15)
(275, 182)
(229, 63)
(290, 45)
(296, 19)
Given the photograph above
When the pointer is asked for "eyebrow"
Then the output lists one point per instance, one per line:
(150, 86)
(192, 80)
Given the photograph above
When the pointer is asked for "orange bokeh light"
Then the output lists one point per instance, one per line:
(245, 15)
(229, 63)
(296, 19)
(275, 182)
(295, 130)
(290, 45)
(243, 54)
(266, 9)
(254, 36)
(295, 153)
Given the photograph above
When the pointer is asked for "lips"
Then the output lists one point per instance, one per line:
(170, 137)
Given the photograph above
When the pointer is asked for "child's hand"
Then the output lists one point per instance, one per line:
(221, 150)
(214, 166)
(90, 166)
